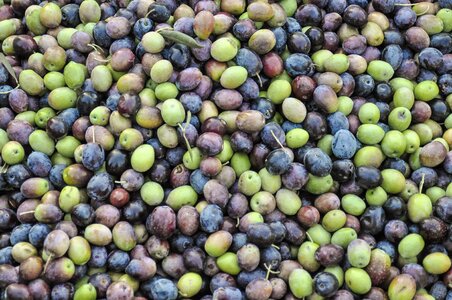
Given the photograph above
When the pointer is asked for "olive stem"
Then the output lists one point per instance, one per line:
(149, 12)
(276, 247)
(422, 13)
(238, 222)
(277, 140)
(92, 46)
(27, 212)
(421, 185)
(47, 263)
(269, 271)
(184, 295)
(96, 48)
(4, 168)
(184, 128)
(309, 237)
(120, 181)
(102, 60)
(7, 92)
(260, 80)
(186, 140)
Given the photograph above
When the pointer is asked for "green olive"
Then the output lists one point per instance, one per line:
(223, 49)
(189, 284)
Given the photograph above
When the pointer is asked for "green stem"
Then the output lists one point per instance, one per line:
(47, 263)
(269, 271)
(422, 13)
(309, 237)
(184, 128)
(7, 92)
(4, 168)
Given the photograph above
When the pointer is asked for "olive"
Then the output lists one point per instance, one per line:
(253, 137)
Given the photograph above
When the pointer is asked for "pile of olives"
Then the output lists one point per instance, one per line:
(225, 149)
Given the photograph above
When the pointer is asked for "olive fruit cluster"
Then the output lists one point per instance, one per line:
(225, 149)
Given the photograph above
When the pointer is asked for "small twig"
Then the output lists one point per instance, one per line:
(269, 271)
(183, 129)
(102, 60)
(7, 92)
(4, 168)
(421, 185)
(238, 222)
(120, 181)
(260, 80)
(149, 12)
(97, 48)
(47, 263)
(309, 237)
(276, 247)
(277, 140)
(27, 212)
(422, 13)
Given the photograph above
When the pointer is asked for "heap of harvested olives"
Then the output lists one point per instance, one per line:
(225, 149)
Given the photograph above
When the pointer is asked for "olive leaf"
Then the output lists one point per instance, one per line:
(179, 37)
(10, 70)
(8, 67)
